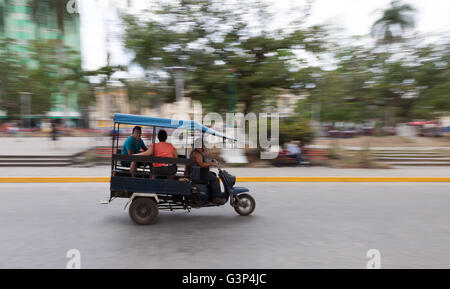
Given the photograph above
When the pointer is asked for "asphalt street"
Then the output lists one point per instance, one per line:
(295, 225)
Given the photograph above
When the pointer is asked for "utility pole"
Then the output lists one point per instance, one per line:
(178, 72)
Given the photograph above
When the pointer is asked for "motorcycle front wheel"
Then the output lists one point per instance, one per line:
(244, 205)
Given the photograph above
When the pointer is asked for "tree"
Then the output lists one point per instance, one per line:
(47, 74)
(11, 76)
(397, 16)
(296, 129)
(346, 93)
(213, 41)
(371, 85)
(432, 79)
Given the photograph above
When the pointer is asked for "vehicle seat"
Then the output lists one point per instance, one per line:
(194, 175)
(123, 172)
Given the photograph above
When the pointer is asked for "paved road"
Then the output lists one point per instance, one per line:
(296, 225)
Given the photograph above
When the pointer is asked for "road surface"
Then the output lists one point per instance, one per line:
(295, 225)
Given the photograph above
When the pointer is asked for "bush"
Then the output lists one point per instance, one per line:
(296, 129)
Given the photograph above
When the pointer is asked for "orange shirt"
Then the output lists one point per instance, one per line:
(163, 150)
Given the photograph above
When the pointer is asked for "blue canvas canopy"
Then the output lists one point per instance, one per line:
(165, 123)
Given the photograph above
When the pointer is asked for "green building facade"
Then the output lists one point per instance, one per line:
(24, 21)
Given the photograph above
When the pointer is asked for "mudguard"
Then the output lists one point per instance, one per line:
(239, 190)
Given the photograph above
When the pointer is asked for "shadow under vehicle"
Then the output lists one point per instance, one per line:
(149, 193)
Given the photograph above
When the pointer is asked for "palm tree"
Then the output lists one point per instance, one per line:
(397, 16)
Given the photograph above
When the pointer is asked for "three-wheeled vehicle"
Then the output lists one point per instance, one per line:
(148, 193)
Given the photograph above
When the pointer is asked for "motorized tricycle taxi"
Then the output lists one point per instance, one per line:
(148, 193)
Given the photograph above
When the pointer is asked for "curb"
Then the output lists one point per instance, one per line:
(346, 179)
(56, 180)
(34, 180)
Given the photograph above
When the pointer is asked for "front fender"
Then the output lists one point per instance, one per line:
(239, 190)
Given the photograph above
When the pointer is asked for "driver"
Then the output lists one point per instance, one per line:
(199, 158)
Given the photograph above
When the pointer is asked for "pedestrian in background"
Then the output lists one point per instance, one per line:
(294, 151)
(54, 134)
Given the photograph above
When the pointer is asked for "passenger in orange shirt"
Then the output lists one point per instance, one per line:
(162, 149)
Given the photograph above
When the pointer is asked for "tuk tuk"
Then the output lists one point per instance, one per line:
(148, 193)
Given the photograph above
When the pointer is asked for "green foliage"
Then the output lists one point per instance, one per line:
(49, 68)
(373, 84)
(11, 76)
(228, 58)
(214, 41)
(53, 68)
(296, 129)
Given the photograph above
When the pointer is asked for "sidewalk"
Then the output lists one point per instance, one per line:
(66, 146)
(41, 146)
(104, 171)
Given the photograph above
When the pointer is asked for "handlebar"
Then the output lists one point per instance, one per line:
(218, 164)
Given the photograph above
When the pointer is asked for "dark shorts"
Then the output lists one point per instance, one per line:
(166, 170)
(128, 164)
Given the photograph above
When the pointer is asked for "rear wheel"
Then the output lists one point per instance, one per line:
(143, 211)
(245, 205)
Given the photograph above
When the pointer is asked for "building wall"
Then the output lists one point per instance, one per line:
(27, 20)
(108, 102)
(24, 21)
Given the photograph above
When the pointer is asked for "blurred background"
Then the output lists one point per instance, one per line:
(359, 83)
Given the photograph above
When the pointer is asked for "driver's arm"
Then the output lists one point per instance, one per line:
(199, 161)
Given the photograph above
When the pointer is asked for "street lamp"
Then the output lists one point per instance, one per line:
(178, 72)
(233, 90)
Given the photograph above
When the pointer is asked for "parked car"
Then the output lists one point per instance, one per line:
(342, 133)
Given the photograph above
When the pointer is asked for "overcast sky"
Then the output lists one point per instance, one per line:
(355, 17)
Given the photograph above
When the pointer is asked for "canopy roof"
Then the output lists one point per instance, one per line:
(165, 123)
